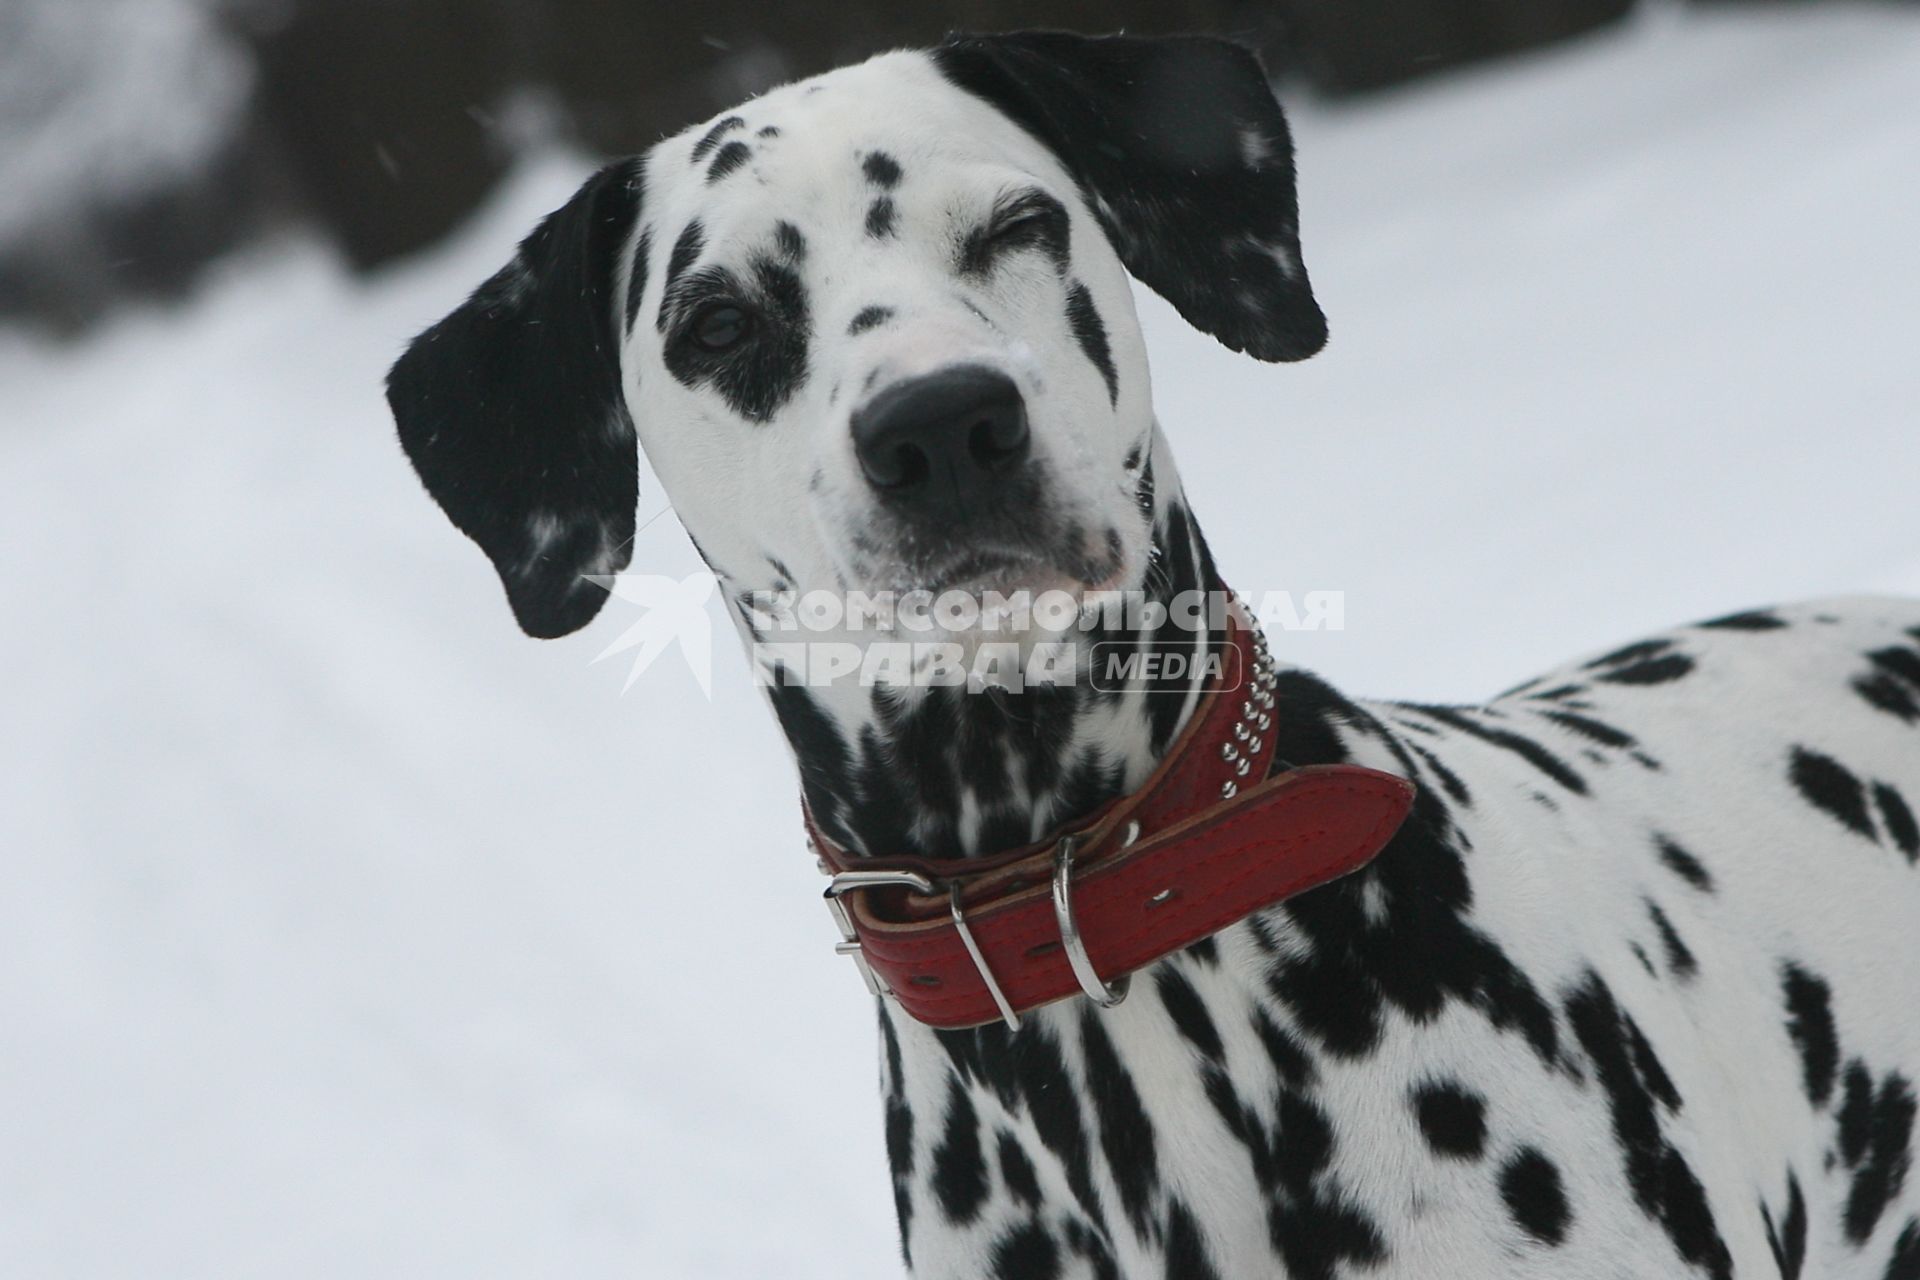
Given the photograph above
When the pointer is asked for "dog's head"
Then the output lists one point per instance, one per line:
(873, 328)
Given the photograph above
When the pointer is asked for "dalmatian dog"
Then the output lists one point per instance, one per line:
(1635, 990)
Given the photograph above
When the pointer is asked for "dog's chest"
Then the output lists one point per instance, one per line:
(1554, 1025)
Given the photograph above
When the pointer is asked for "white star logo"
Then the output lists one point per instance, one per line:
(671, 613)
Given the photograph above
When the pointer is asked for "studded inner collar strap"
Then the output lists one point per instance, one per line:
(1216, 834)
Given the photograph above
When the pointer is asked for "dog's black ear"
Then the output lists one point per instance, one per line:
(512, 412)
(1182, 151)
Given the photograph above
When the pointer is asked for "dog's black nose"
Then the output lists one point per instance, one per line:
(941, 440)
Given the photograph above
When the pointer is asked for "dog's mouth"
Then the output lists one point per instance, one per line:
(986, 569)
(1077, 561)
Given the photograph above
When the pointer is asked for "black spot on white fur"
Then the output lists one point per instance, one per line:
(1752, 620)
(1189, 1013)
(1016, 1171)
(1646, 662)
(727, 159)
(1025, 1068)
(1316, 1227)
(1898, 820)
(1027, 1252)
(1084, 318)
(1827, 785)
(711, 138)
(1588, 727)
(1629, 655)
(1905, 1262)
(1680, 959)
(1187, 1257)
(869, 318)
(792, 244)
(637, 277)
(1521, 745)
(959, 1164)
(1810, 1026)
(1875, 1136)
(1530, 1184)
(899, 1133)
(1453, 1118)
(1684, 864)
(1789, 1240)
(1638, 1092)
(1892, 682)
(686, 251)
(1127, 1136)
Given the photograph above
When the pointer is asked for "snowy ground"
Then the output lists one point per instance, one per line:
(348, 933)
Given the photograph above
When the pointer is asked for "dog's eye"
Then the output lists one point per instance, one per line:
(1032, 221)
(721, 326)
(1037, 227)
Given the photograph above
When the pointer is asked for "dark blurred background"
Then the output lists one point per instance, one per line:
(141, 139)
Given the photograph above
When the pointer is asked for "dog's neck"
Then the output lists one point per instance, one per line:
(944, 772)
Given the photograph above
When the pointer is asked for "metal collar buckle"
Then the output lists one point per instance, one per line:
(849, 945)
(1105, 994)
(848, 882)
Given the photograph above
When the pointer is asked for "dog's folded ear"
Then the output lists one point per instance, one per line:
(512, 413)
(1183, 153)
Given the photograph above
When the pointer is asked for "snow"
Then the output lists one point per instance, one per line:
(351, 933)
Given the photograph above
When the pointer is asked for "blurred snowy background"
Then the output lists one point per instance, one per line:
(346, 932)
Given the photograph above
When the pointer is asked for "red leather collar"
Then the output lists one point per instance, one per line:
(1216, 834)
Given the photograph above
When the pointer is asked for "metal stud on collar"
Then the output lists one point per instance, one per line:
(1255, 718)
(1105, 994)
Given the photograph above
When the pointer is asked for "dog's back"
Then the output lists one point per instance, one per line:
(1701, 851)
